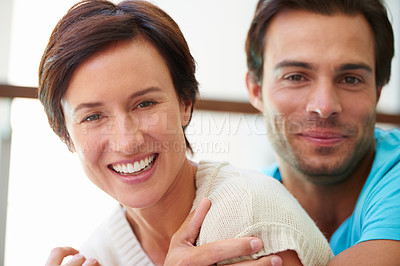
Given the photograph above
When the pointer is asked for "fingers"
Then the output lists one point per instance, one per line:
(215, 252)
(80, 260)
(91, 262)
(77, 260)
(189, 230)
(272, 260)
(58, 254)
(183, 252)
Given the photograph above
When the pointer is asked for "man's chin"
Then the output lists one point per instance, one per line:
(324, 173)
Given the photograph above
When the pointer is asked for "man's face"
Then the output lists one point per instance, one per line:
(318, 92)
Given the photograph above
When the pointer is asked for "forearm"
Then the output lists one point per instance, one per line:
(374, 252)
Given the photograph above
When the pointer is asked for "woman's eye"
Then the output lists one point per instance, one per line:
(295, 77)
(145, 104)
(93, 117)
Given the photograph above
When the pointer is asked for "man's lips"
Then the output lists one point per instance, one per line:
(323, 137)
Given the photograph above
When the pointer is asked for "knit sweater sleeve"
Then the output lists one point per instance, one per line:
(251, 204)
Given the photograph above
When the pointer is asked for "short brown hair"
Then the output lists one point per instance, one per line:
(372, 10)
(93, 25)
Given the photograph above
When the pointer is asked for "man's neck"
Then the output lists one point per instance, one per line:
(328, 205)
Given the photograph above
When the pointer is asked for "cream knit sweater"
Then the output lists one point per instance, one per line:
(243, 204)
(248, 203)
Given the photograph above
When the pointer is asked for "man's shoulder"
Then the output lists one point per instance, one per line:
(272, 170)
(387, 138)
(387, 154)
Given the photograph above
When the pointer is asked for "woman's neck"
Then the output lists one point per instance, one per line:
(154, 226)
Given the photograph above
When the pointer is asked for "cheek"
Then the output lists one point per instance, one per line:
(362, 106)
(162, 125)
(89, 144)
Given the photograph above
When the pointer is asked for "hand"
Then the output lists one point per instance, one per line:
(57, 256)
(183, 252)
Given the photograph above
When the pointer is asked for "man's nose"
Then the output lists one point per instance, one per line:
(324, 100)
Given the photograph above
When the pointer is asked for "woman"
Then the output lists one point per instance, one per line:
(118, 86)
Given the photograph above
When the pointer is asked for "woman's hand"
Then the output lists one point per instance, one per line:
(183, 252)
(57, 256)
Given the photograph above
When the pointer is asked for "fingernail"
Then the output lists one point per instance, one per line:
(89, 262)
(276, 261)
(256, 244)
(76, 257)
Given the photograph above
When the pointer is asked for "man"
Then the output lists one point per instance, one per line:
(316, 71)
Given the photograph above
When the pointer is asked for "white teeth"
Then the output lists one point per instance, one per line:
(118, 168)
(136, 167)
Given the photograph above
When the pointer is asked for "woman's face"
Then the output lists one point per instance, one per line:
(125, 123)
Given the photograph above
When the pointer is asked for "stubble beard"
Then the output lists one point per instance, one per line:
(323, 165)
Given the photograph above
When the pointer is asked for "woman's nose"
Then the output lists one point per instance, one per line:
(129, 136)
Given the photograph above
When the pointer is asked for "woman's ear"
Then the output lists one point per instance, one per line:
(254, 91)
(71, 147)
(186, 112)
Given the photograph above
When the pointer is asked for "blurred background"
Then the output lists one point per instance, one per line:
(46, 200)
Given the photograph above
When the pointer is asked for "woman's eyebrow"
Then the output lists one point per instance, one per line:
(144, 92)
(132, 96)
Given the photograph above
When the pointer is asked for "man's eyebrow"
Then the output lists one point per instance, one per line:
(355, 66)
(132, 96)
(293, 63)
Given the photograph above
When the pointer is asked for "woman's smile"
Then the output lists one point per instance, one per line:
(134, 167)
(135, 172)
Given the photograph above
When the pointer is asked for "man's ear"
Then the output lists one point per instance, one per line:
(186, 112)
(254, 91)
(378, 93)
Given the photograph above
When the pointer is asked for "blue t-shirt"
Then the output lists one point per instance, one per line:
(377, 211)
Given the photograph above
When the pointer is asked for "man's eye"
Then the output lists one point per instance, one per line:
(295, 77)
(145, 104)
(351, 80)
(93, 117)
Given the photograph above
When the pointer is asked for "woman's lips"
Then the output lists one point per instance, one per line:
(137, 171)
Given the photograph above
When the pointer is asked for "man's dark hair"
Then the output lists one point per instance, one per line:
(373, 10)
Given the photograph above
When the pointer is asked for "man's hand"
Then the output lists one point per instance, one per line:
(183, 252)
(57, 256)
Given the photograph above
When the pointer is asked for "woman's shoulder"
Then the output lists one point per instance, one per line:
(248, 203)
(213, 176)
